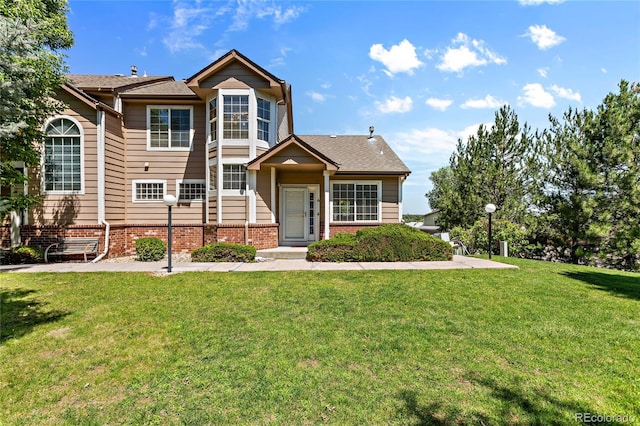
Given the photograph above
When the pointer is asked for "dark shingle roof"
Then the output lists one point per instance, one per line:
(163, 88)
(111, 82)
(358, 153)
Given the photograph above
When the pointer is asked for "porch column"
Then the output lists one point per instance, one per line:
(273, 195)
(252, 196)
(327, 207)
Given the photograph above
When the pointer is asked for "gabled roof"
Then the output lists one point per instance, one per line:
(351, 154)
(112, 83)
(226, 59)
(284, 145)
(358, 154)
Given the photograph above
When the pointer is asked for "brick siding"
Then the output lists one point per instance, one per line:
(122, 238)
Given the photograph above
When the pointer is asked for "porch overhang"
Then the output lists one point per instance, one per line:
(293, 154)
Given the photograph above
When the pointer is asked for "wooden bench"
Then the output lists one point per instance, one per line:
(69, 246)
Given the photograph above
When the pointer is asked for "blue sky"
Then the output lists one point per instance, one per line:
(424, 73)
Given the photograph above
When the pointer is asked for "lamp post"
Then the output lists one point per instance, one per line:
(169, 201)
(490, 208)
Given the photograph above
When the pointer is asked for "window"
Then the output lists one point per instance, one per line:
(356, 201)
(213, 178)
(213, 120)
(234, 176)
(169, 127)
(149, 190)
(264, 119)
(191, 190)
(62, 156)
(236, 117)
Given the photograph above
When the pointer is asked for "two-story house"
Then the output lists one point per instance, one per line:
(223, 142)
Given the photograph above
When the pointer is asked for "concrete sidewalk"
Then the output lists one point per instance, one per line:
(458, 262)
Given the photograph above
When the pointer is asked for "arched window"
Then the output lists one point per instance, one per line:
(62, 156)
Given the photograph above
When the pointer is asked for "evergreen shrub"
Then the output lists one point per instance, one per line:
(150, 249)
(224, 252)
(385, 243)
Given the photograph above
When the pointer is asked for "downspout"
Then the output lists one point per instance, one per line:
(246, 211)
(100, 133)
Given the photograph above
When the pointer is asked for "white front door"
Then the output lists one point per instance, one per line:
(294, 214)
(299, 214)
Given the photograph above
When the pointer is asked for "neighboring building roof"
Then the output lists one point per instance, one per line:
(110, 83)
(358, 153)
(90, 101)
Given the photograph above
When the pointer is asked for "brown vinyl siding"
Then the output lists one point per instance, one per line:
(166, 165)
(74, 209)
(283, 123)
(115, 173)
(213, 202)
(293, 154)
(263, 196)
(234, 209)
(235, 151)
(238, 72)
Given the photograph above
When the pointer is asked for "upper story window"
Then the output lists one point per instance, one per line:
(236, 117)
(213, 120)
(169, 128)
(63, 156)
(264, 119)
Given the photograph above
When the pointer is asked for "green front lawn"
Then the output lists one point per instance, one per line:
(528, 346)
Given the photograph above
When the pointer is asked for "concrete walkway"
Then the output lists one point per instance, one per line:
(458, 262)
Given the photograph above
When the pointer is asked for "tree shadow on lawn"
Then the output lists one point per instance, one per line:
(514, 406)
(622, 285)
(19, 315)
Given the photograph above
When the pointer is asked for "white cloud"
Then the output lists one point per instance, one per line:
(566, 93)
(604, 70)
(544, 37)
(316, 97)
(426, 144)
(186, 25)
(488, 102)
(465, 52)
(543, 72)
(395, 104)
(439, 104)
(538, 2)
(399, 58)
(535, 95)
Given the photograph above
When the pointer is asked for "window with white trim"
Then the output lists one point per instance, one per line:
(149, 190)
(191, 190)
(356, 201)
(169, 127)
(236, 117)
(264, 119)
(62, 156)
(234, 176)
(213, 120)
(213, 177)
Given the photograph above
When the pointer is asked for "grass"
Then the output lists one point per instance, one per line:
(530, 346)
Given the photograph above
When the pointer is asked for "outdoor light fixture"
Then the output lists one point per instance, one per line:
(490, 208)
(169, 201)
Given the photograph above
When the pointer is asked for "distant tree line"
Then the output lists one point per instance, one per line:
(570, 192)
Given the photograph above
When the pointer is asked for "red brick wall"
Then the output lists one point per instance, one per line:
(122, 238)
(352, 228)
(260, 236)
